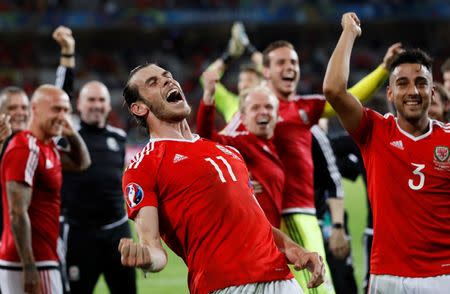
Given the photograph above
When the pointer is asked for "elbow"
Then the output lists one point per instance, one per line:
(15, 216)
(332, 91)
(82, 165)
(85, 164)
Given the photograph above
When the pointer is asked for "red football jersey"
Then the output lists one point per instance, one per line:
(38, 165)
(260, 156)
(409, 190)
(207, 213)
(293, 143)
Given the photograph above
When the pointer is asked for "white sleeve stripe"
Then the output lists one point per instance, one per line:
(325, 146)
(232, 125)
(32, 161)
(60, 76)
(310, 97)
(140, 156)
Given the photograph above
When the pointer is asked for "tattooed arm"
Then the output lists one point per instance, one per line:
(19, 199)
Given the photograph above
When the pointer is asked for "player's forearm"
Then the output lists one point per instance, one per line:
(227, 103)
(364, 89)
(67, 57)
(21, 229)
(19, 199)
(283, 242)
(205, 120)
(147, 230)
(336, 209)
(338, 69)
(79, 153)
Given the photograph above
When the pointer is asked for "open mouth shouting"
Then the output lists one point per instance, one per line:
(174, 95)
(262, 122)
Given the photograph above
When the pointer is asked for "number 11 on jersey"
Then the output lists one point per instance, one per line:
(219, 170)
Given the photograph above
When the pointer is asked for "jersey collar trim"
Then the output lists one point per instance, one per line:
(195, 139)
(430, 130)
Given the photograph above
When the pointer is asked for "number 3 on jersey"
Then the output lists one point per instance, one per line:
(417, 172)
(219, 170)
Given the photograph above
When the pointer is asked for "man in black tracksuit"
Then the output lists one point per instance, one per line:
(92, 202)
(329, 201)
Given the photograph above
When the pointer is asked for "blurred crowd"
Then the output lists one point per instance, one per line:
(30, 60)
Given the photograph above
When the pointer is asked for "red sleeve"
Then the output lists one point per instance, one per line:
(205, 125)
(20, 164)
(138, 185)
(364, 131)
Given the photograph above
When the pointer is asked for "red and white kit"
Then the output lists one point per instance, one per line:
(38, 165)
(293, 143)
(408, 182)
(207, 212)
(260, 156)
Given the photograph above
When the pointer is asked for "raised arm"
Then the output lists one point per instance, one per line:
(19, 199)
(148, 254)
(77, 158)
(300, 257)
(65, 72)
(369, 85)
(347, 107)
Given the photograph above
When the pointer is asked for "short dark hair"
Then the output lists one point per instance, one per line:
(250, 67)
(131, 94)
(445, 66)
(412, 56)
(273, 46)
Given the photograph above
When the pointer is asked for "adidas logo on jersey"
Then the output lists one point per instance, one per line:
(397, 144)
(178, 158)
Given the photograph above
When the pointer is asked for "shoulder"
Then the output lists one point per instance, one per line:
(440, 126)
(116, 131)
(149, 156)
(23, 140)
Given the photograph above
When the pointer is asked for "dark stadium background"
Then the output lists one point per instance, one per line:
(113, 36)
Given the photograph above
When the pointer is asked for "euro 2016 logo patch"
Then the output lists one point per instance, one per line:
(135, 194)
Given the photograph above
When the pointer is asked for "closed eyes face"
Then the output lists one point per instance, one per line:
(162, 93)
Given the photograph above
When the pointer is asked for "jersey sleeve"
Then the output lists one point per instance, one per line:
(138, 185)
(206, 129)
(363, 134)
(20, 164)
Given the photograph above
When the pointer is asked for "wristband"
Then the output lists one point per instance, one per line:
(337, 226)
(67, 55)
(226, 57)
(251, 49)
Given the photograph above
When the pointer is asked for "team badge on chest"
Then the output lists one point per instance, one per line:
(441, 153)
(112, 144)
(441, 157)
